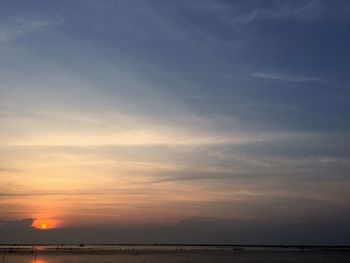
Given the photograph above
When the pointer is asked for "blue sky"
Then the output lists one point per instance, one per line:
(223, 110)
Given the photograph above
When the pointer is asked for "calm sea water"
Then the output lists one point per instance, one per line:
(171, 254)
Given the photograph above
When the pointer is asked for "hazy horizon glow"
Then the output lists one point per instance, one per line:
(155, 113)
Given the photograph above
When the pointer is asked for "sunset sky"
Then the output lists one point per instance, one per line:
(150, 114)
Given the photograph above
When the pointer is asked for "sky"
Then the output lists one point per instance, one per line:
(187, 121)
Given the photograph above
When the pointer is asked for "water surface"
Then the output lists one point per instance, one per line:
(171, 254)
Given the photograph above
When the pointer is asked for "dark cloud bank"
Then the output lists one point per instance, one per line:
(191, 231)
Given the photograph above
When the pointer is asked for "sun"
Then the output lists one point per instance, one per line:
(45, 224)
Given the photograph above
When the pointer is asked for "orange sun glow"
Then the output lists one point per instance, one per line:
(45, 224)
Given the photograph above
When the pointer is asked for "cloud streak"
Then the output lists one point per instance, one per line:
(18, 28)
(282, 77)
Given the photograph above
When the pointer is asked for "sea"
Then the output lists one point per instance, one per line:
(81, 253)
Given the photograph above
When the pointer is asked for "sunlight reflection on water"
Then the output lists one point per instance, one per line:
(40, 248)
(37, 260)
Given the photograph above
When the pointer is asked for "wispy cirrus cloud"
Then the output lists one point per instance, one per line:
(15, 29)
(281, 77)
(245, 14)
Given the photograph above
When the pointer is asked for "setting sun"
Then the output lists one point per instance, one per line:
(45, 224)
